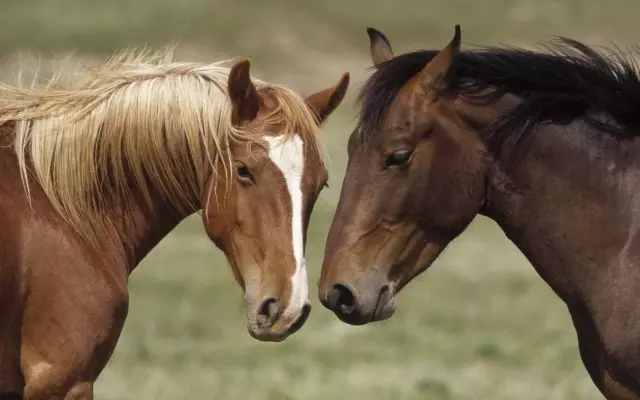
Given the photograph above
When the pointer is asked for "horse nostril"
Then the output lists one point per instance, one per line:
(342, 299)
(268, 312)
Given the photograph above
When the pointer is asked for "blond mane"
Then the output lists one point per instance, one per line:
(138, 121)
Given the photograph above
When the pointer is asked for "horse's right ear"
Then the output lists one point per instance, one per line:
(325, 102)
(434, 73)
(245, 101)
(379, 46)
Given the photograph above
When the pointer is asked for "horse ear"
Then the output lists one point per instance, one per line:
(379, 46)
(433, 74)
(245, 101)
(325, 102)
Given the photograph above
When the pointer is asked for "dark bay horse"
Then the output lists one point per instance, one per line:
(94, 175)
(546, 143)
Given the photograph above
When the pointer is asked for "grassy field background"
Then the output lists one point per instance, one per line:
(478, 325)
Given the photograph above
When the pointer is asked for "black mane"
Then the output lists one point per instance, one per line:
(568, 80)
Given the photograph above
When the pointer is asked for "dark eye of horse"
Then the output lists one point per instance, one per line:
(243, 171)
(397, 158)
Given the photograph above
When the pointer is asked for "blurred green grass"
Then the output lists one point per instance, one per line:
(478, 325)
(261, 27)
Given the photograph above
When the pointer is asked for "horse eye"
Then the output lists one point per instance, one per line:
(398, 158)
(243, 171)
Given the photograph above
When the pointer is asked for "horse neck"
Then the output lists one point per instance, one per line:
(144, 224)
(567, 204)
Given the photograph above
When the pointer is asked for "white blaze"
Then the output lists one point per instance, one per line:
(288, 155)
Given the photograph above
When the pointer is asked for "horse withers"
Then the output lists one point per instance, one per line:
(544, 143)
(94, 175)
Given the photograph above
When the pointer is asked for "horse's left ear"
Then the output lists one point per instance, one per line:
(379, 47)
(434, 73)
(245, 101)
(325, 102)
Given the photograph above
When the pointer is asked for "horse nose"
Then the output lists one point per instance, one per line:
(342, 300)
(268, 312)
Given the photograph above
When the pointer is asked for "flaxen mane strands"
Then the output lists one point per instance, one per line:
(139, 120)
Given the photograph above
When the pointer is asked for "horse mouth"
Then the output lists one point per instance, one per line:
(298, 323)
(275, 333)
(385, 306)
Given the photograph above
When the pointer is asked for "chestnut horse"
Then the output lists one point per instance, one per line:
(94, 175)
(544, 143)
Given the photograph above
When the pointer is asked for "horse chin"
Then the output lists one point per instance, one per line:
(264, 336)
